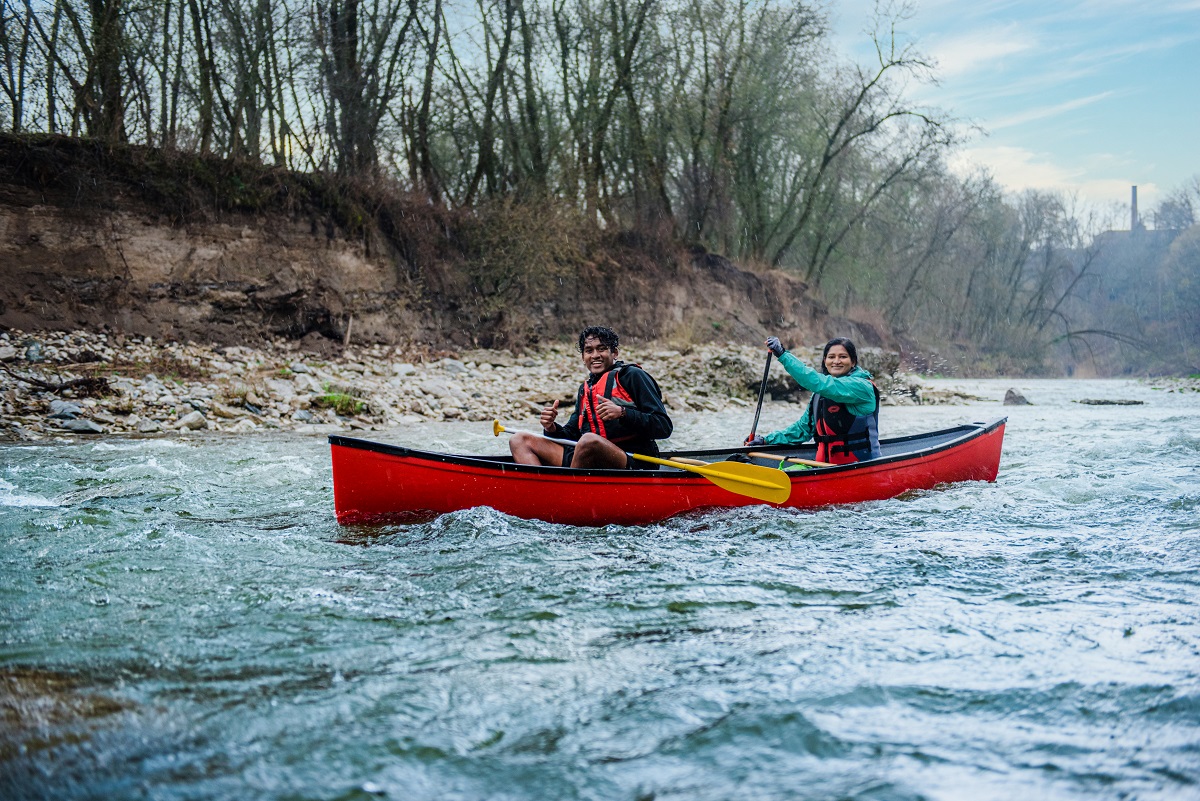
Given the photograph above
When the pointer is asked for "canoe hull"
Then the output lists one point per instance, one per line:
(376, 483)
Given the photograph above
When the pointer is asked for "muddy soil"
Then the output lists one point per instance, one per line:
(136, 242)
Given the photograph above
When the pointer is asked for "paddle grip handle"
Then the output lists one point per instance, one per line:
(502, 430)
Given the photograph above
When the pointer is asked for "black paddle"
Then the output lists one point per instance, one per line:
(762, 390)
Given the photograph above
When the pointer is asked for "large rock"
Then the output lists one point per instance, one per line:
(308, 383)
(882, 364)
(1015, 398)
(83, 427)
(284, 390)
(64, 410)
(194, 421)
(496, 358)
(442, 390)
(227, 412)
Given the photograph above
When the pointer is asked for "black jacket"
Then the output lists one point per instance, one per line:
(644, 422)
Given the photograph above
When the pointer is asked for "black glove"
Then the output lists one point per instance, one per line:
(755, 442)
(775, 346)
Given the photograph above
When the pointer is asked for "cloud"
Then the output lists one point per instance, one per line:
(1102, 54)
(1043, 112)
(1017, 169)
(1087, 34)
(1014, 168)
(1162, 8)
(976, 50)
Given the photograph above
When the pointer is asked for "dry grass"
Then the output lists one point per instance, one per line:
(163, 365)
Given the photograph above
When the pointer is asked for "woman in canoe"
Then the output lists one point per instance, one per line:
(843, 417)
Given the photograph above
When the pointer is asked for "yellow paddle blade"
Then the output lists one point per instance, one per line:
(752, 480)
(736, 478)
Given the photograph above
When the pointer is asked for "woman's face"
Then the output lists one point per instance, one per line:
(838, 362)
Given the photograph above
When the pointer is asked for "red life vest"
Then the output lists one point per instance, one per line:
(843, 437)
(608, 386)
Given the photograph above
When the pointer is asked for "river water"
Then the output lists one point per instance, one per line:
(183, 619)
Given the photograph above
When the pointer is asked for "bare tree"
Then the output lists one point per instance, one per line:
(1180, 209)
(496, 46)
(366, 56)
(16, 27)
(417, 121)
(90, 62)
(868, 113)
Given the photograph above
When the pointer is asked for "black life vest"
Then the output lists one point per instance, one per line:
(843, 437)
(615, 431)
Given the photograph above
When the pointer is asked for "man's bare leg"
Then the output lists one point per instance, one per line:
(535, 450)
(594, 450)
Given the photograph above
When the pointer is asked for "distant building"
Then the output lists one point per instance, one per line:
(1138, 233)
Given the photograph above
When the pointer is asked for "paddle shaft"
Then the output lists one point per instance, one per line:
(688, 465)
(795, 459)
(568, 443)
(762, 391)
(728, 475)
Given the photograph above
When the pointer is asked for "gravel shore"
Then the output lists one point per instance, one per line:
(64, 385)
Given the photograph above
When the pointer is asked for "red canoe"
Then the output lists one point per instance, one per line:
(377, 483)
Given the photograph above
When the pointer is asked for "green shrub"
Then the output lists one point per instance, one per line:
(345, 405)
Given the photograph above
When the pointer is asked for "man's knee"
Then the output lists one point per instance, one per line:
(521, 442)
(590, 444)
(594, 450)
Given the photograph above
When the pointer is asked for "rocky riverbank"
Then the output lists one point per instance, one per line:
(71, 384)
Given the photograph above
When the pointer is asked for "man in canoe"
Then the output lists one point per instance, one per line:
(843, 417)
(618, 409)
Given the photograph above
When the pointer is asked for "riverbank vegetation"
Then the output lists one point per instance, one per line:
(732, 127)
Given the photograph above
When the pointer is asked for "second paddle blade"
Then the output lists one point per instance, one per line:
(732, 475)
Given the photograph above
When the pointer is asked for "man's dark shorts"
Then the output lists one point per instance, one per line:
(630, 462)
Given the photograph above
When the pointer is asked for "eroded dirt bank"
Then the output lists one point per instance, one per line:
(144, 292)
(136, 242)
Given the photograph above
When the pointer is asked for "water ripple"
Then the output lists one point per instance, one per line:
(186, 620)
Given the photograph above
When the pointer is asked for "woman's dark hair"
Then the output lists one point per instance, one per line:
(845, 343)
(607, 336)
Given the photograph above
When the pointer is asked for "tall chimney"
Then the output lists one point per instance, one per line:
(1133, 217)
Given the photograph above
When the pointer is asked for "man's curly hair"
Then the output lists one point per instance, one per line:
(607, 337)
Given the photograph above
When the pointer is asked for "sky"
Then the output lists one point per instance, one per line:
(1087, 98)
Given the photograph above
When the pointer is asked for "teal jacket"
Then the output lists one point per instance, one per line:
(854, 389)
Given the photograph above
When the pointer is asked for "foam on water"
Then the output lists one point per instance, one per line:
(197, 625)
(10, 496)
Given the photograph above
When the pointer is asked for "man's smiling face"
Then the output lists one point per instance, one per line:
(597, 358)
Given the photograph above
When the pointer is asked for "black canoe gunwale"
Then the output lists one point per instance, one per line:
(504, 464)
